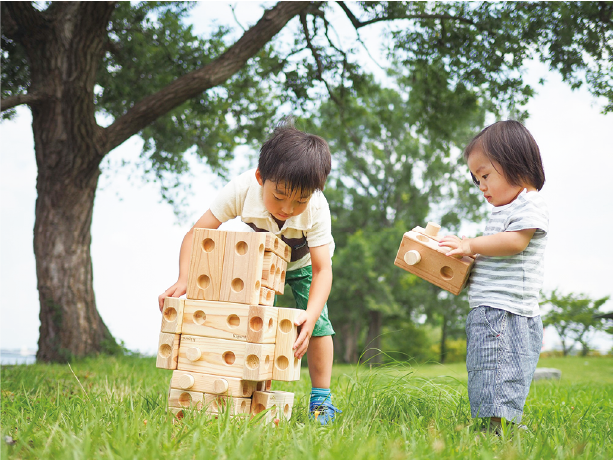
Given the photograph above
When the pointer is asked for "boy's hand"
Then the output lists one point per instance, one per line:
(178, 289)
(305, 329)
(459, 247)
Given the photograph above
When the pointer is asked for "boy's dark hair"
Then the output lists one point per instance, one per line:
(299, 160)
(514, 148)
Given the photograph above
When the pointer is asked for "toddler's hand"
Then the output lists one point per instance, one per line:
(459, 247)
(305, 329)
(178, 289)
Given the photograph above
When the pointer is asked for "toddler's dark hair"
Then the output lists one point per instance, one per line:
(299, 160)
(514, 148)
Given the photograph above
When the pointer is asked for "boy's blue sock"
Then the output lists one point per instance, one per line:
(320, 405)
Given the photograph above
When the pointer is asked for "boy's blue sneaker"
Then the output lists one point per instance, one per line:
(322, 409)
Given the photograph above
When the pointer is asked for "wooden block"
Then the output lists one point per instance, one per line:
(168, 351)
(216, 404)
(242, 269)
(267, 297)
(280, 276)
(178, 412)
(179, 398)
(444, 271)
(278, 246)
(172, 315)
(216, 319)
(278, 403)
(206, 264)
(268, 269)
(211, 384)
(286, 366)
(262, 324)
(223, 357)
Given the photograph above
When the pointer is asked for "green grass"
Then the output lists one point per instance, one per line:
(115, 408)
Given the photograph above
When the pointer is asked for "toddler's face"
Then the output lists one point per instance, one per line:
(280, 202)
(492, 182)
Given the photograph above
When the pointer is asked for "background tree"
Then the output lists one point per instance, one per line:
(575, 317)
(142, 71)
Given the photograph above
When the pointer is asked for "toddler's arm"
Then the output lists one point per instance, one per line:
(500, 244)
(207, 221)
(318, 295)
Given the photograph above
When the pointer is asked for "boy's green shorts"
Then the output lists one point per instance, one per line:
(299, 281)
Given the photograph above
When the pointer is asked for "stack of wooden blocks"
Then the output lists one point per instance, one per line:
(225, 341)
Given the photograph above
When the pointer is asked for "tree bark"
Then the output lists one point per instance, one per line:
(65, 46)
(372, 354)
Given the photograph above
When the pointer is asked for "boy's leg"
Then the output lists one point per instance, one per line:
(502, 352)
(320, 353)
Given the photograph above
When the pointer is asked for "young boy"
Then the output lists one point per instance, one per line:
(284, 196)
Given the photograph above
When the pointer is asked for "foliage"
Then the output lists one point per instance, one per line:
(574, 317)
(115, 408)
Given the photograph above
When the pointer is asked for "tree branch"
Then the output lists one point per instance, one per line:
(18, 99)
(21, 18)
(358, 24)
(215, 73)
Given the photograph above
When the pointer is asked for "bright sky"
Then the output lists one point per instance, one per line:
(135, 238)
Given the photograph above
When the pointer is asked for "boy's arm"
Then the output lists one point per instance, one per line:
(207, 221)
(318, 295)
(501, 244)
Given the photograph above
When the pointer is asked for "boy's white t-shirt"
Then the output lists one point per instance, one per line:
(242, 196)
(512, 283)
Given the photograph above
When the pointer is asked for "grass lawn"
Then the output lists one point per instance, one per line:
(114, 407)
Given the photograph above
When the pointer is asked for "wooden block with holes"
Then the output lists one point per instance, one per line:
(216, 404)
(168, 351)
(267, 296)
(211, 384)
(216, 319)
(238, 322)
(242, 269)
(221, 357)
(278, 246)
(179, 398)
(420, 254)
(279, 404)
(172, 315)
(280, 276)
(286, 366)
(268, 269)
(206, 264)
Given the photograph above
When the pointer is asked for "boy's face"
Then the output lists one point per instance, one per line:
(495, 187)
(280, 202)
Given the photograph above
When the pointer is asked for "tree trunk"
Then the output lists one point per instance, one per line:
(372, 354)
(443, 340)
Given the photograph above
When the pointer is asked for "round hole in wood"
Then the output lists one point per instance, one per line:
(170, 314)
(185, 399)
(421, 238)
(199, 317)
(287, 253)
(233, 321)
(268, 297)
(447, 272)
(241, 248)
(245, 389)
(278, 272)
(257, 408)
(243, 406)
(296, 362)
(261, 248)
(203, 281)
(276, 244)
(179, 414)
(270, 322)
(267, 362)
(165, 350)
(237, 285)
(256, 323)
(282, 275)
(285, 325)
(252, 361)
(273, 268)
(286, 410)
(229, 357)
(208, 245)
(257, 285)
(282, 362)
